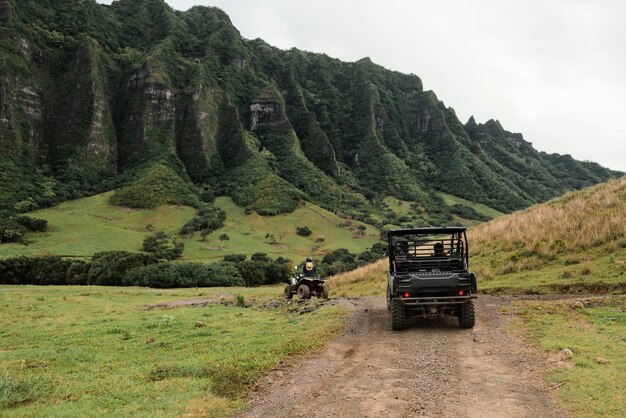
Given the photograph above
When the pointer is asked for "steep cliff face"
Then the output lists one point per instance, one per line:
(166, 103)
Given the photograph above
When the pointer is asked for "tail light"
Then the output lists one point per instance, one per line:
(461, 293)
(406, 294)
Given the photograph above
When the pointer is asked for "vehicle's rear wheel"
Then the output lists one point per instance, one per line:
(398, 315)
(304, 292)
(324, 293)
(287, 292)
(388, 299)
(467, 315)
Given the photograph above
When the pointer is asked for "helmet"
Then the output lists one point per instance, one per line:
(309, 259)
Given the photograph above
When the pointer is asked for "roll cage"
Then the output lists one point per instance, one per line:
(428, 249)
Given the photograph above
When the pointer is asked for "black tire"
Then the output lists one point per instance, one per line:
(324, 293)
(287, 292)
(398, 315)
(388, 299)
(304, 292)
(467, 316)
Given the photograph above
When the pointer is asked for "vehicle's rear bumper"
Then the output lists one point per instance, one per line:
(435, 300)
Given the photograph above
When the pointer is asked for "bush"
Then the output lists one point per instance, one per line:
(261, 257)
(261, 269)
(25, 205)
(303, 231)
(34, 270)
(234, 258)
(252, 272)
(11, 231)
(169, 275)
(375, 253)
(32, 224)
(77, 273)
(110, 268)
(208, 220)
(342, 255)
(224, 237)
(468, 212)
(163, 246)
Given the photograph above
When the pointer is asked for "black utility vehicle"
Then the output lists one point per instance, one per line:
(305, 287)
(429, 275)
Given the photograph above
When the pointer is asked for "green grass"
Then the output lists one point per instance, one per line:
(403, 208)
(95, 351)
(247, 234)
(591, 383)
(479, 207)
(399, 206)
(597, 270)
(85, 226)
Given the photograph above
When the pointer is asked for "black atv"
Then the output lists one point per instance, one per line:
(305, 287)
(429, 276)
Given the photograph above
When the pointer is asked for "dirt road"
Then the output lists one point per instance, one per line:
(432, 369)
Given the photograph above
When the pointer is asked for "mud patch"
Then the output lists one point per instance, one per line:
(200, 301)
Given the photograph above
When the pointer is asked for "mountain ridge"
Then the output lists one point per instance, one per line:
(136, 95)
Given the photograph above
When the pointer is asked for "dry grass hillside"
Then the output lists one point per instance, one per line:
(573, 243)
(578, 221)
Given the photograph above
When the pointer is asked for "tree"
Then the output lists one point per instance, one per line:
(303, 231)
(163, 246)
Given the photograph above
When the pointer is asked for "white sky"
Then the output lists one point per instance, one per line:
(552, 70)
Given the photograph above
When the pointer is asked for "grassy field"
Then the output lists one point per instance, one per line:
(97, 351)
(401, 207)
(247, 234)
(590, 381)
(85, 226)
(478, 207)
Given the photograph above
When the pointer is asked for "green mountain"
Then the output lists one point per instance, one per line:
(177, 107)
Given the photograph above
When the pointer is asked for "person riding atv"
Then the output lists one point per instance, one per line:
(307, 283)
(309, 269)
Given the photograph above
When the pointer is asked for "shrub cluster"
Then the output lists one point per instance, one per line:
(163, 246)
(158, 185)
(36, 270)
(13, 229)
(342, 260)
(117, 268)
(260, 269)
(303, 231)
(168, 275)
(209, 219)
(468, 212)
(106, 268)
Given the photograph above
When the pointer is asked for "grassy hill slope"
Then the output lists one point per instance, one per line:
(85, 226)
(575, 243)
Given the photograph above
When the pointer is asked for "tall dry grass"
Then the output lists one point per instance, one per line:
(579, 220)
(366, 280)
(592, 217)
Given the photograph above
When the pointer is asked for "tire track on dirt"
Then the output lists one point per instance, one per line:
(433, 368)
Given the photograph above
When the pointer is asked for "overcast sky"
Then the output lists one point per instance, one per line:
(552, 70)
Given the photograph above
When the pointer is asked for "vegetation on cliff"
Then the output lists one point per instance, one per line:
(168, 104)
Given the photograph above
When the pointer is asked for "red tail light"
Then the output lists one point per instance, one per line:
(460, 293)
(406, 295)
